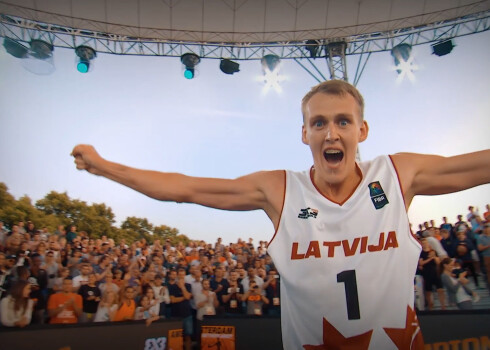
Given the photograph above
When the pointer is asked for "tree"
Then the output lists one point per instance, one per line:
(164, 232)
(137, 228)
(58, 204)
(95, 219)
(8, 211)
(12, 211)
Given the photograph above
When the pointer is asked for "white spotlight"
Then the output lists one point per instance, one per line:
(404, 62)
(270, 68)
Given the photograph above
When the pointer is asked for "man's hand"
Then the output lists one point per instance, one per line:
(87, 158)
(181, 284)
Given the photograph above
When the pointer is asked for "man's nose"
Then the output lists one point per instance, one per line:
(331, 133)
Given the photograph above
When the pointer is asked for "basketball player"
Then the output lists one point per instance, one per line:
(342, 244)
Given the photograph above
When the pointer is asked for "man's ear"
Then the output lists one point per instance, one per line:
(364, 131)
(303, 135)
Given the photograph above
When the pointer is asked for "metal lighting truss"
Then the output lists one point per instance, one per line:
(333, 49)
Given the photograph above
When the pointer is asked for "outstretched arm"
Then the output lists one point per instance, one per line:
(262, 190)
(422, 174)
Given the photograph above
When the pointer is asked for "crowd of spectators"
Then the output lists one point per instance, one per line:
(451, 254)
(68, 277)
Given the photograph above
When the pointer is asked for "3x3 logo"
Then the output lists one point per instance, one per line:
(308, 213)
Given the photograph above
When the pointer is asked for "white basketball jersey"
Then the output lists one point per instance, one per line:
(347, 270)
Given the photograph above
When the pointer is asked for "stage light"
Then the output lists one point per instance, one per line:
(401, 54)
(270, 62)
(442, 48)
(39, 58)
(15, 48)
(404, 63)
(270, 68)
(312, 47)
(41, 49)
(85, 55)
(229, 67)
(190, 61)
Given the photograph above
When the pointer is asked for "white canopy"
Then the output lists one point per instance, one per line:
(241, 21)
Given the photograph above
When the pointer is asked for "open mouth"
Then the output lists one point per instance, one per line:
(333, 156)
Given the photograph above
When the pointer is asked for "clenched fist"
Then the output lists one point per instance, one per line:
(87, 158)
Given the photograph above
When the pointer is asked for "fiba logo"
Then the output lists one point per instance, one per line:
(377, 195)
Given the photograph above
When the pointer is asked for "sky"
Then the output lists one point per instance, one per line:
(142, 112)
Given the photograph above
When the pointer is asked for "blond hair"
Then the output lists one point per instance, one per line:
(334, 87)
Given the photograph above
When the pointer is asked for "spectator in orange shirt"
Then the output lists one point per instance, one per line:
(486, 215)
(194, 255)
(66, 306)
(127, 306)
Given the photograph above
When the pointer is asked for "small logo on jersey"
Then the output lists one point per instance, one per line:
(308, 213)
(377, 195)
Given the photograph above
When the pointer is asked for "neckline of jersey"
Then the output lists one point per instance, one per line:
(331, 200)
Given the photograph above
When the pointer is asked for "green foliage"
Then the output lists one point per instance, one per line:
(97, 219)
(137, 228)
(9, 213)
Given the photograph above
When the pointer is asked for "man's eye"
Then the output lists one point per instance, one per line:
(344, 122)
(319, 123)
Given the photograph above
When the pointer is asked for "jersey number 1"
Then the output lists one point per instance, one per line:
(350, 283)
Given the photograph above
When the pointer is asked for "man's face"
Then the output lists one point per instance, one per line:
(37, 261)
(333, 128)
(219, 272)
(67, 286)
(461, 236)
(10, 262)
(233, 276)
(205, 285)
(181, 274)
(173, 275)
